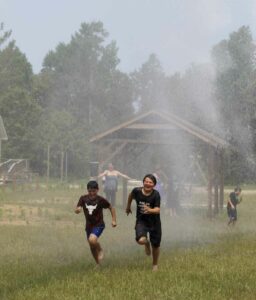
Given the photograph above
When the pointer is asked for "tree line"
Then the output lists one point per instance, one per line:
(80, 91)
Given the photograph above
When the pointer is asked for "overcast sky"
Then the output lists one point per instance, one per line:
(180, 32)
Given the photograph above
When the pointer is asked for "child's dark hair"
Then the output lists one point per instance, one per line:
(238, 189)
(150, 176)
(92, 185)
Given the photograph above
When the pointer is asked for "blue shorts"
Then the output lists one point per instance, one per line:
(232, 213)
(95, 230)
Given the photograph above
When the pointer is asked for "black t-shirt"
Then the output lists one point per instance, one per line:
(152, 200)
(233, 198)
(93, 209)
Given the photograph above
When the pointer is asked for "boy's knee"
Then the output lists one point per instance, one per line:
(92, 240)
(142, 240)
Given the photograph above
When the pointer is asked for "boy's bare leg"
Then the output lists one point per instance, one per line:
(231, 221)
(100, 252)
(144, 241)
(95, 247)
(155, 254)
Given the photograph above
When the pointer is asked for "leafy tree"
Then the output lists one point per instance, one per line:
(81, 80)
(149, 85)
(58, 135)
(17, 106)
(86, 76)
(235, 65)
(235, 92)
(4, 35)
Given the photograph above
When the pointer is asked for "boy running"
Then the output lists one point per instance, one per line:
(147, 217)
(92, 205)
(231, 206)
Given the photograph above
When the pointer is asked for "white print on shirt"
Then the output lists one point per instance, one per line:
(141, 206)
(91, 208)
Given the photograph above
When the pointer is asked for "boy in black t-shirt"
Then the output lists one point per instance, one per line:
(93, 205)
(147, 217)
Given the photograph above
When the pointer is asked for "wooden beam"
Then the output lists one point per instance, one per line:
(193, 130)
(116, 128)
(173, 121)
(151, 126)
(147, 141)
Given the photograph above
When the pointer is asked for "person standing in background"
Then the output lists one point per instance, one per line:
(162, 181)
(111, 182)
(172, 198)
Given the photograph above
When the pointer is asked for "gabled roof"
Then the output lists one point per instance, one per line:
(3, 135)
(160, 120)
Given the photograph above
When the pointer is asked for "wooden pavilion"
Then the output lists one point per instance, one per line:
(158, 128)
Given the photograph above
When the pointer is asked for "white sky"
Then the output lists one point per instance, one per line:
(180, 32)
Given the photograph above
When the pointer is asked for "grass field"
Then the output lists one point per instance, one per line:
(44, 254)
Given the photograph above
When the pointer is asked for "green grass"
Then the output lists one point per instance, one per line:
(47, 257)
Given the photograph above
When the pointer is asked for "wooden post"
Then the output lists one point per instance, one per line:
(61, 165)
(216, 183)
(48, 165)
(14, 182)
(66, 166)
(210, 180)
(221, 168)
(125, 194)
(37, 182)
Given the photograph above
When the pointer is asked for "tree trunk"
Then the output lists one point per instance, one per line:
(66, 166)
(48, 164)
(61, 165)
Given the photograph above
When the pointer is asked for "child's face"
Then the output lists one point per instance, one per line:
(148, 184)
(92, 193)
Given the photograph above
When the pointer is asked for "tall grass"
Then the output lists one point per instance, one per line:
(48, 257)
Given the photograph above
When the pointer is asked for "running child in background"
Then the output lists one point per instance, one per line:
(231, 205)
(147, 217)
(162, 181)
(93, 205)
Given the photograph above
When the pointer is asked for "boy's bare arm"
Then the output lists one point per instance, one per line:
(128, 206)
(113, 214)
(231, 204)
(148, 210)
(78, 209)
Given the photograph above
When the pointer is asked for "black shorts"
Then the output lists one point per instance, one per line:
(155, 233)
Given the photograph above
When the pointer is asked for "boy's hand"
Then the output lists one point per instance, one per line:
(128, 211)
(78, 209)
(146, 209)
(114, 224)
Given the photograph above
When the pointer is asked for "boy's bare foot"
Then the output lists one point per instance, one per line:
(97, 267)
(155, 268)
(147, 248)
